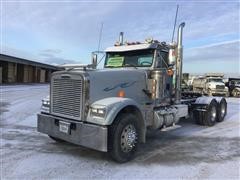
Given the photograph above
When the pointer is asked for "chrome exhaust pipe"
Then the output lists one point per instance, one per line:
(121, 38)
(179, 64)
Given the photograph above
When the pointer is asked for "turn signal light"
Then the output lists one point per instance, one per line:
(170, 72)
(121, 93)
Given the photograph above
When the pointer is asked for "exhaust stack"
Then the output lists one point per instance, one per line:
(179, 64)
(121, 38)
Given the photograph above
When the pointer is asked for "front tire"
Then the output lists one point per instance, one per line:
(123, 137)
(235, 93)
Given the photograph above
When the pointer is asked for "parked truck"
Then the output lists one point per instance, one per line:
(111, 109)
(186, 86)
(233, 85)
(210, 84)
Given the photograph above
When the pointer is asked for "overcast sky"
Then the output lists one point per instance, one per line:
(66, 32)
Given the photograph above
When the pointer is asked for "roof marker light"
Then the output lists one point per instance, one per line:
(149, 40)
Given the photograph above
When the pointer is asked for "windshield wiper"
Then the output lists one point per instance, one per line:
(130, 65)
(112, 66)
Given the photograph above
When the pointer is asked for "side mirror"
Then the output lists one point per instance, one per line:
(94, 60)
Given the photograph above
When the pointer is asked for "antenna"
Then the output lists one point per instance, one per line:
(175, 23)
(99, 42)
(100, 37)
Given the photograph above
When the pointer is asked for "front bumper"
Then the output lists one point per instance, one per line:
(84, 134)
(219, 92)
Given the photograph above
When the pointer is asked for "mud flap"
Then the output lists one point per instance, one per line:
(200, 113)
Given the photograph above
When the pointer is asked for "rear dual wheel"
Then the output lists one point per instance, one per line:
(222, 110)
(211, 114)
(215, 112)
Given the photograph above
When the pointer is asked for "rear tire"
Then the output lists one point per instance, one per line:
(234, 93)
(211, 114)
(123, 137)
(221, 110)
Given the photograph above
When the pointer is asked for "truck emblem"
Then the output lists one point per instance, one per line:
(121, 85)
(65, 76)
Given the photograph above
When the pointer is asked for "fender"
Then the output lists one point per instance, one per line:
(204, 100)
(207, 100)
(219, 99)
(237, 89)
(112, 106)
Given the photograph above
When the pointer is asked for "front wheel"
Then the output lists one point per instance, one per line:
(123, 137)
(235, 93)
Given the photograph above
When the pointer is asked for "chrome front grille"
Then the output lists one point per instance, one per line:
(67, 97)
(220, 86)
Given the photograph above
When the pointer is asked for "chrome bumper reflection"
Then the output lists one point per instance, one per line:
(87, 135)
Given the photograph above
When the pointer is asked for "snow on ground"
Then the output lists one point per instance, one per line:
(187, 151)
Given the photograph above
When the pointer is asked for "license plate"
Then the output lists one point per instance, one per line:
(64, 127)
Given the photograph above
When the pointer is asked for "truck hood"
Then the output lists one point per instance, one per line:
(108, 82)
(214, 84)
(237, 85)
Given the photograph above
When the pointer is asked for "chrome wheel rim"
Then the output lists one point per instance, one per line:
(128, 138)
(213, 113)
(234, 93)
(223, 109)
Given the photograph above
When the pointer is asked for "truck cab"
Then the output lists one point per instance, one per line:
(234, 86)
(215, 85)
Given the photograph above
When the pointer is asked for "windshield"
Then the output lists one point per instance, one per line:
(236, 82)
(215, 80)
(141, 58)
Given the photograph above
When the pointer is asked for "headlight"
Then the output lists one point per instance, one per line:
(211, 86)
(45, 106)
(45, 102)
(99, 112)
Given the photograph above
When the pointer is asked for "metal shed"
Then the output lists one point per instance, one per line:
(19, 70)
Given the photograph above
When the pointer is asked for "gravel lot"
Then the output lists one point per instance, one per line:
(186, 151)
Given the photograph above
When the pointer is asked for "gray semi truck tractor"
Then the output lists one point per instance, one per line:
(111, 109)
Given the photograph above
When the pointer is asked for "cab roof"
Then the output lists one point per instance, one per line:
(122, 48)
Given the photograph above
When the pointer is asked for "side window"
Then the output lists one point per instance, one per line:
(145, 61)
(232, 83)
(162, 61)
